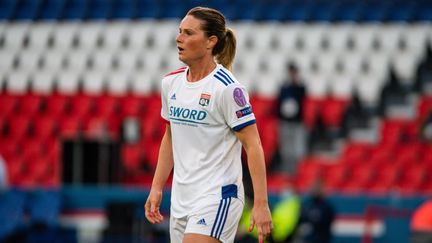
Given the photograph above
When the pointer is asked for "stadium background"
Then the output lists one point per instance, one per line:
(79, 108)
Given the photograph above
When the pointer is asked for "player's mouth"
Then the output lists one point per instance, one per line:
(180, 49)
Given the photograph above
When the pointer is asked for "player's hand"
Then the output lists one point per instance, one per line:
(151, 207)
(261, 218)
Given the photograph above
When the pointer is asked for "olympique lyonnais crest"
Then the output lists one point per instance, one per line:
(204, 100)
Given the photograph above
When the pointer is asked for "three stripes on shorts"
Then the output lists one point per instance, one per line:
(221, 217)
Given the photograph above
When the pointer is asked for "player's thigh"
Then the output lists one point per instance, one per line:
(195, 238)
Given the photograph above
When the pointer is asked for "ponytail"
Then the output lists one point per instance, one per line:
(227, 53)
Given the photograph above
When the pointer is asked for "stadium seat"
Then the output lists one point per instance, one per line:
(94, 82)
(74, 10)
(12, 204)
(17, 82)
(9, 105)
(123, 9)
(99, 10)
(68, 82)
(118, 83)
(26, 9)
(51, 10)
(45, 127)
(77, 61)
(42, 83)
(82, 105)
(57, 105)
(7, 9)
(333, 111)
(30, 104)
(39, 35)
(18, 126)
(7, 62)
(64, 35)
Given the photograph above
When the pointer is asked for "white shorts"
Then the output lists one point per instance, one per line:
(218, 220)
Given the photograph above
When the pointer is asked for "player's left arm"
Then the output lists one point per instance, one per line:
(261, 216)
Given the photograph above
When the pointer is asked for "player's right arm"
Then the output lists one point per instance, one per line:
(163, 169)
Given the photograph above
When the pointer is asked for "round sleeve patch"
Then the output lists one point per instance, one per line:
(239, 97)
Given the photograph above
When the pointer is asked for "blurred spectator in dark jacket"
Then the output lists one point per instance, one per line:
(292, 139)
(316, 218)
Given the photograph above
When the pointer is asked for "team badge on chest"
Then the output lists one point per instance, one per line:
(204, 99)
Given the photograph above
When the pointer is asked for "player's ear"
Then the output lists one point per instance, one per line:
(212, 41)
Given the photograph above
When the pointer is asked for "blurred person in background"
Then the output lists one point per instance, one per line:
(209, 119)
(421, 223)
(286, 215)
(292, 139)
(316, 217)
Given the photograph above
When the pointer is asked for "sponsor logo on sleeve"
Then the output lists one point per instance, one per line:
(244, 112)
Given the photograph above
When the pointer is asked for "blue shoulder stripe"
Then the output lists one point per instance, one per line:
(221, 79)
(227, 75)
(230, 81)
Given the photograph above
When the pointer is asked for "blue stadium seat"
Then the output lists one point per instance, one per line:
(51, 9)
(348, 11)
(423, 11)
(401, 11)
(123, 9)
(26, 9)
(147, 9)
(75, 9)
(172, 9)
(274, 11)
(323, 10)
(7, 8)
(99, 9)
(12, 203)
(298, 10)
(375, 11)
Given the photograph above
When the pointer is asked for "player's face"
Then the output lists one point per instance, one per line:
(192, 43)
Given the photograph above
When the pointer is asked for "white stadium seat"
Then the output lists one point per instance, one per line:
(338, 36)
(68, 82)
(113, 35)
(15, 34)
(137, 34)
(29, 60)
(101, 60)
(405, 66)
(53, 60)
(7, 59)
(118, 83)
(142, 83)
(127, 60)
(39, 35)
(316, 84)
(43, 82)
(341, 85)
(77, 60)
(364, 37)
(94, 82)
(369, 87)
(17, 82)
(64, 35)
(88, 35)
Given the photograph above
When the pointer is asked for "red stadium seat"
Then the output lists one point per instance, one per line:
(81, 105)
(311, 111)
(30, 104)
(9, 104)
(70, 127)
(132, 156)
(355, 153)
(18, 126)
(45, 127)
(333, 111)
(106, 105)
(336, 177)
(57, 105)
(131, 106)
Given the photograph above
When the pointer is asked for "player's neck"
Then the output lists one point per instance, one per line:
(200, 70)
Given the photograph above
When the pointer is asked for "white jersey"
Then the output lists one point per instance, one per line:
(207, 155)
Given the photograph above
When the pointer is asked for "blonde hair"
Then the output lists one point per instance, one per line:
(214, 24)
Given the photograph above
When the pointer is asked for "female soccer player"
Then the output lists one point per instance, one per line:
(209, 118)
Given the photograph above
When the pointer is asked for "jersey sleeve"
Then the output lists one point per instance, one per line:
(164, 97)
(236, 107)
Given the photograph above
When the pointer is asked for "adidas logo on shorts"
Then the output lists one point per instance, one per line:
(202, 221)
